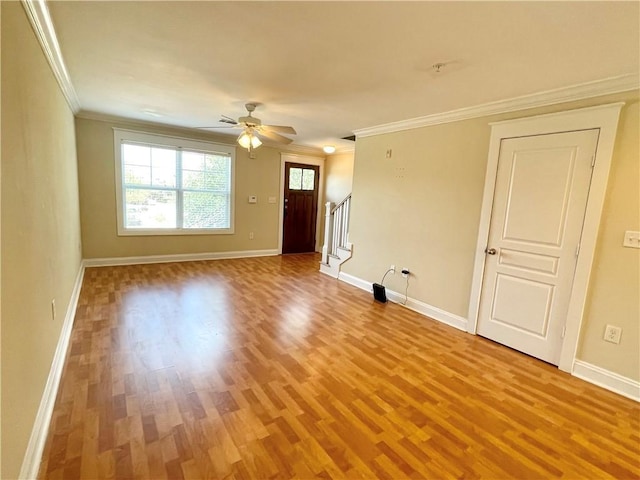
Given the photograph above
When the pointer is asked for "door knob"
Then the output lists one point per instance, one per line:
(490, 251)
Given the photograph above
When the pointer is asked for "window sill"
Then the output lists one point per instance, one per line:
(144, 232)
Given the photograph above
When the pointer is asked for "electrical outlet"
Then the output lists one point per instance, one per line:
(250, 235)
(405, 272)
(631, 239)
(53, 309)
(392, 268)
(612, 334)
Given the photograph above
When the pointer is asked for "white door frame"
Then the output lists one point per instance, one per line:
(603, 117)
(304, 160)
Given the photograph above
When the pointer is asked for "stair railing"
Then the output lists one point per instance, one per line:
(336, 228)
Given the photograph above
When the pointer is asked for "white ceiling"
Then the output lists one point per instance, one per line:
(328, 68)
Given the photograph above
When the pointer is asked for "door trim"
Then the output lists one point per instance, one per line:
(605, 119)
(305, 160)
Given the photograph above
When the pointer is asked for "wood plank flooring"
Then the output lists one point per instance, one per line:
(265, 368)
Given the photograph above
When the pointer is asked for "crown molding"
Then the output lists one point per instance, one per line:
(300, 149)
(215, 136)
(40, 20)
(134, 122)
(622, 83)
(342, 151)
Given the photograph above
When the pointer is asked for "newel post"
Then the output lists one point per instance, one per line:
(328, 232)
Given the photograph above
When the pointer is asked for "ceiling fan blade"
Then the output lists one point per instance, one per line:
(218, 126)
(274, 136)
(226, 119)
(281, 129)
(231, 120)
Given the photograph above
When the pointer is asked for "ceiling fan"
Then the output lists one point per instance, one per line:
(253, 129)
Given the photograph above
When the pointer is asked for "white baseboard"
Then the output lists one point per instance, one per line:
(37, 440)
(181, 257)
(356, 282)
(607, 379)
(425, 309)
(35, 447)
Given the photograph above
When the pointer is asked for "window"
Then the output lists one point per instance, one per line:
(301, 178)
(172, 186)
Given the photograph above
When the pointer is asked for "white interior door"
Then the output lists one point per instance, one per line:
(541, 192)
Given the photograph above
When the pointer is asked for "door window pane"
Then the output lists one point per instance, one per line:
(308, 179)
(295, 179)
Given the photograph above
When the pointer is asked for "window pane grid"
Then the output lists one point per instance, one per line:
(149, 187)
(205, 209)
(301, 178)
(150, 208)
(175, 189)
(217, 192)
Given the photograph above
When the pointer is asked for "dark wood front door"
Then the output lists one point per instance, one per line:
(300, 208)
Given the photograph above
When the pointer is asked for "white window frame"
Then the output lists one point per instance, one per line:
(178, 143)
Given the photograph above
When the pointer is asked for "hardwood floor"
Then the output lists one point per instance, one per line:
(265, 368)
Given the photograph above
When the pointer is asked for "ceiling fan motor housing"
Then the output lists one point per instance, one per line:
(250, 121)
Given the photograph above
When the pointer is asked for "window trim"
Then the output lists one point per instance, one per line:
(159, 140)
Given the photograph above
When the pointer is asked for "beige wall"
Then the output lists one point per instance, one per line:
(0, 251)
(96, 170)
(40, 231)
(339, 176)
(615, 283)
(420, 209)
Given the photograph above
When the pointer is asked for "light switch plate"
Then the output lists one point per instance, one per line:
(272, 199)
(631, 239)
(253, 199)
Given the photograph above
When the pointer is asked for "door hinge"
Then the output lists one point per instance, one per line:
(564, 331)
(577, 249)
(593, 161)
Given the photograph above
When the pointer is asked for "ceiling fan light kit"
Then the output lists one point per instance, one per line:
(253, 129)
(248, 140)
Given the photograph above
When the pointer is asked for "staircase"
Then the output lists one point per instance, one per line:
(336, 249)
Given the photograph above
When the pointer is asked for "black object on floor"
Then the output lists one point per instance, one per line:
(379, 293)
